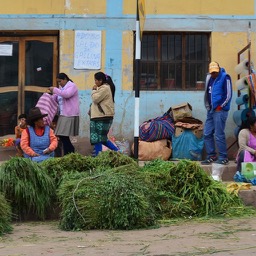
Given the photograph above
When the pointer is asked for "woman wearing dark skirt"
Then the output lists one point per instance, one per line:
(68, 121)
(102, 112)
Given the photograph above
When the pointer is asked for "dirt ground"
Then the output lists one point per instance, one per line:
(215, 237)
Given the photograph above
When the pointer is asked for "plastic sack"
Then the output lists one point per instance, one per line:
(238, 177)
(124, 146)
(187, 146)
(159, 149)
(217, 171)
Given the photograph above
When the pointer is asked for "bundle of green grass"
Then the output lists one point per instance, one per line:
(121, 195)
(111, 191)
(107, 198)
(186, 190)
(58, 168)
(5, 216)
(111, 200)
(27, 186)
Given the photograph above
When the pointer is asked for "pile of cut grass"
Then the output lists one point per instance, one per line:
(58, 168)
(186, 190)
(111, 197)
(5, 216)
(111, 191)
(111, 200)
(27, 187)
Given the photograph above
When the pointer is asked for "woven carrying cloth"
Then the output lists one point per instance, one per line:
(158, 128)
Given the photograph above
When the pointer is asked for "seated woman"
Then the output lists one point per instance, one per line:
(38, 141)
(247, 143)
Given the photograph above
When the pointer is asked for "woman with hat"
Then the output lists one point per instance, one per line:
(38, 141)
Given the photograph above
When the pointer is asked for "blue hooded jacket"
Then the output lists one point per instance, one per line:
(221, 94)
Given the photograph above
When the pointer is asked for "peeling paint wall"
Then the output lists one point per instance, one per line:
(227, 20)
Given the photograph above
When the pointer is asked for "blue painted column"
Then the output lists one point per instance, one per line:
(113, 65)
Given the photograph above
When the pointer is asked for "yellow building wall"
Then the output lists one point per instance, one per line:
(86, 7)
(84, 79)
(204, 7)
(193, 7)
(227, 56)
(78, 7)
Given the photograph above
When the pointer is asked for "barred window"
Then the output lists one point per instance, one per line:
(174, 61)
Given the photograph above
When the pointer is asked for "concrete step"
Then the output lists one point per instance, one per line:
(248, 196)
(228, 171)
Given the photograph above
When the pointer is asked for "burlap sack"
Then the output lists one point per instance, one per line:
(159, 149)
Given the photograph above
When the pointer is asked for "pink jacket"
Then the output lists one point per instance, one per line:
(70, 99)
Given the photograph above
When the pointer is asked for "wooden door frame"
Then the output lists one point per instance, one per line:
(21, 88)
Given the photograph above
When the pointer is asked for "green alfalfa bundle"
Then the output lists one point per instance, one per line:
(27, 187)
(183, 189)
(112, 159)
(5, 216)
(58, 167)
(156, 174)
(111, 199)
(203, 195)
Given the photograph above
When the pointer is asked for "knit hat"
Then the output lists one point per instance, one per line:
(214, 67)
(35, 114)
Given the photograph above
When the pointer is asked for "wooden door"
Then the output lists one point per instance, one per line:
(28, 65)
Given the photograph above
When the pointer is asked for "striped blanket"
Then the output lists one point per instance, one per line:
(49, 106)
(158, 128)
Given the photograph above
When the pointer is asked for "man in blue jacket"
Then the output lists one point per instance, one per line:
(217, 99)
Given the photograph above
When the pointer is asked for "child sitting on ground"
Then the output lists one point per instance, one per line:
(18, 130)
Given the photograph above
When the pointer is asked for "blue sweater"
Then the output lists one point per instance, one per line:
(221, 94)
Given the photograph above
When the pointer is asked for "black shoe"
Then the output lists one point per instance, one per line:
(223, 161)
(209, 160)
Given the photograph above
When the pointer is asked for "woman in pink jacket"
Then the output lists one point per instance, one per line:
(68, 121)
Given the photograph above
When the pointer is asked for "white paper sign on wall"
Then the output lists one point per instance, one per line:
(6, 49)
(87, 49)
